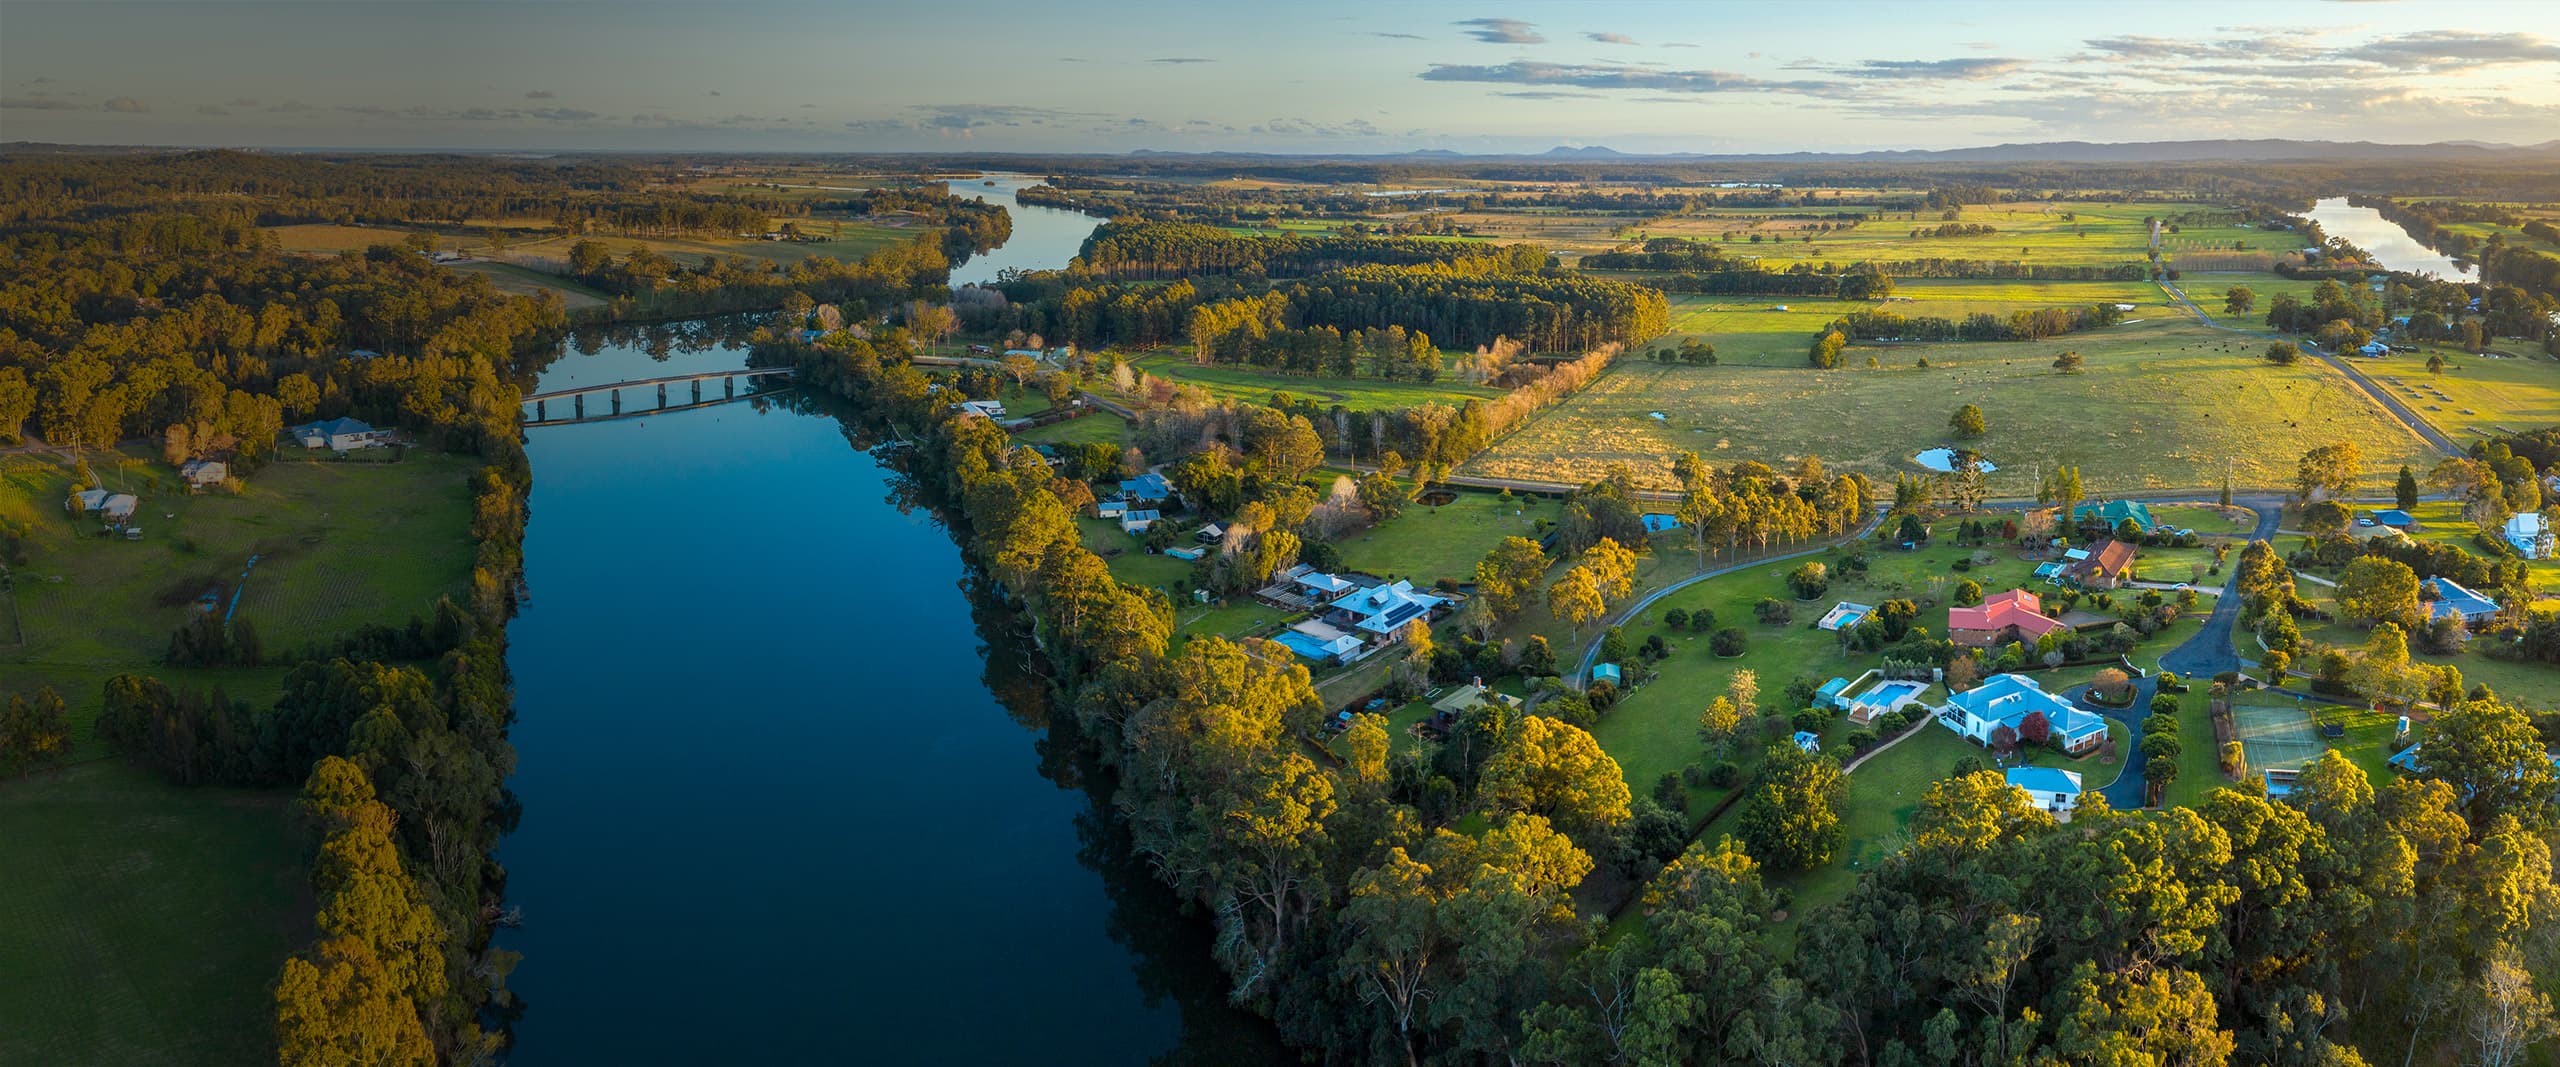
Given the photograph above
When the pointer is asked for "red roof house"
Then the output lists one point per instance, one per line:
(2016, 615)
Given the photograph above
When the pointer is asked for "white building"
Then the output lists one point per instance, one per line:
(2055, 790)
(2530, 534)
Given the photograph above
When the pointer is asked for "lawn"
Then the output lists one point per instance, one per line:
(2525, 685)
(2044, 234)
(526, 281)
(2160, 405)
(2476, 396)
(1429, 543)
(1256, 384)
(142, 922)
(1103, 427)
(2442, 520)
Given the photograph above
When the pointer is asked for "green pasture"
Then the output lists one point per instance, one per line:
(2158, 405)
(1427, 543)
(1103, 427)
(1775, 331)
(143, 922)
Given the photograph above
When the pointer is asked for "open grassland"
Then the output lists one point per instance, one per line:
(1103, 427)
(1256, 385)
(2049, 234)
(2476, 396)
(142, 922)
(339, 545)
(2160, 405)
(526, 281)
(1776, 331)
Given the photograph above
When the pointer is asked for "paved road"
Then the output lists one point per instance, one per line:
(2416, 423)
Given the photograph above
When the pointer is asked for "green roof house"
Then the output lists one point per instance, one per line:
(2114, 512)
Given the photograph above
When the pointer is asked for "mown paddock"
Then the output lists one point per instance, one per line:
(1257, 384)
(2160, 405)
(1775, 331)
(2277, 735)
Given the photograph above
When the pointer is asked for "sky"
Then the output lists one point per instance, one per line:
(1314, 77)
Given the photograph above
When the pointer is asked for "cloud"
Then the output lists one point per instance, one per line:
(127, 105)
(1606, 76)
(1181, 60)
(1546, 94)
(1610, 38)
(36, 103)
(287, 106)
(1502, 31)
(540, 94)
(1934, 69)
(1397, 36)
(714, 92)
(962, 118)
(212, 109)
(2447, 49)
(246, 101)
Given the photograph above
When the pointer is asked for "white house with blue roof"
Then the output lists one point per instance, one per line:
(1380, 611)
(2530, 535)
(2055, 790)
(2451, 598)
(342, 435)
(2008, 700)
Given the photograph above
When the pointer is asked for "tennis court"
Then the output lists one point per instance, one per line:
(2276, 735)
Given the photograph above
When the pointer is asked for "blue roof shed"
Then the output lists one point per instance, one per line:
(1606, 672)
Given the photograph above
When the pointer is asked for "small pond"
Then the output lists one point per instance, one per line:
(1943, 460)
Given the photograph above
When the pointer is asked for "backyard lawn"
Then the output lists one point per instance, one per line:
(1427, 543)
(1106, 428)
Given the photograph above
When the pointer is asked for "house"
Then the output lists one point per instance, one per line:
(337, 435)
(2395, 519)
(2055, 790)
(2452, 599)
(2530, 535)
(2016, 615)
(2114, 512)
(1320, 586)
(1210, 534)
(203, 472)
(990, 409)
(1137, 520)
(87, 501)
(2106, 565)
(1845, 615)
(2009, 700)
(1110, 509)
(1381, 611)
(1148, 488)
(1607, 672)
(2374, 350)
(1808, 740)
(1656, 522)
(118, 509)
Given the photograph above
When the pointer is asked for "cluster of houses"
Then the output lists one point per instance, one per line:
(1352, 616)
(1141, 503)
(114, 509)
(2529, 533)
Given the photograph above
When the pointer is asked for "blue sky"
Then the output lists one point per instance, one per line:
(1288, 77)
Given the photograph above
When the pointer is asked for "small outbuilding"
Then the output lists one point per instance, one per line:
(2055, 790)
(201, 473)
(1138, 520)
(1607, 672)
(1808, 740)
(119, 508)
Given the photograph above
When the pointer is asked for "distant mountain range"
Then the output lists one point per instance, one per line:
(2258, 150)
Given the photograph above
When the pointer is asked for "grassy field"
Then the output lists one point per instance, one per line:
(339, 545)
(526, 281)
(2476, 396)
(1755, 331)
(142, 922)
(1255, 385)
(1091, 428)
(2159, 405)
(2053, 234)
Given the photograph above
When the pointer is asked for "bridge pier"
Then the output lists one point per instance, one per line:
(662, 394)
(728, 387)
(617, 401)
(538, 414)
(580, 403)
(697, 390)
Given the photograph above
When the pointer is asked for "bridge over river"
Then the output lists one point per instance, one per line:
(540, 403)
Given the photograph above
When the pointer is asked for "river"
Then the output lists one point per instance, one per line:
(775, 807)
(1044, 238)
(2391, 246)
